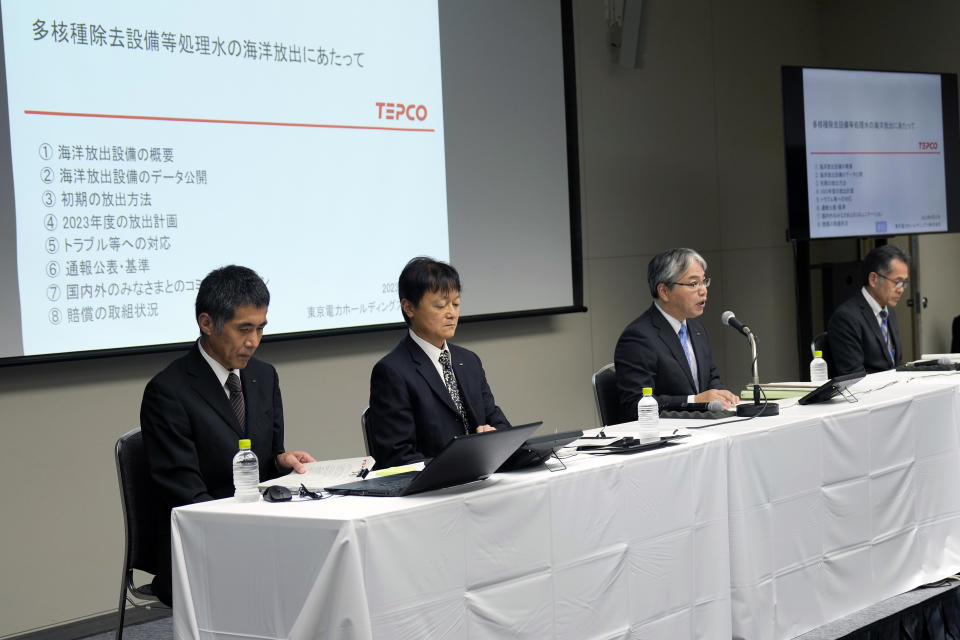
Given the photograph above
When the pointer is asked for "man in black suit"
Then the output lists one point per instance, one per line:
(426, 390)
(667, 348)
(192, 420)
(862, 333)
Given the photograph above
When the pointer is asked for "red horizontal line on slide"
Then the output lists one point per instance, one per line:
(874, 153)
(215, 121)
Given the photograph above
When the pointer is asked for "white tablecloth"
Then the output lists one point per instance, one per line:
(837, 506)
(762, 529)
(617, 547)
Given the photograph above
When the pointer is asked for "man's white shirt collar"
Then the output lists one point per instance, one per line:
(218, 369)
(433, 353)
(673, 321)
(874, 305)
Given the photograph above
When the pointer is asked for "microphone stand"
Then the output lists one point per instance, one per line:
(756, 409)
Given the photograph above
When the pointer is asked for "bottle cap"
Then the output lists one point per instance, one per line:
(648, 391)
(818, 354)
(244, 444)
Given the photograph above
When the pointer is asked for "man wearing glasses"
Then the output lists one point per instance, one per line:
(862, 334)
(667, 347)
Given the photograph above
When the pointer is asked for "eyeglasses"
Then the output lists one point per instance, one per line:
(897, 284)
(694, 285)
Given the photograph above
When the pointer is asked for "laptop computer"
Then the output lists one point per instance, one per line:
(465, 459)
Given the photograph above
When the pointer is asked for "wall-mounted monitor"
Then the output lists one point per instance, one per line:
(322, 144)
(870, 153)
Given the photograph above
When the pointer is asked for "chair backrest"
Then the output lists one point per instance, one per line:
(366, 428)
(136, 496)
(955, 336)
(605, 391)
(819, 343)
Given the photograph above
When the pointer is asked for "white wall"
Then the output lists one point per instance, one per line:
(686, 151)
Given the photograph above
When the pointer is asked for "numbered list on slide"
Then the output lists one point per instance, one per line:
(163, 144)
(874, 153)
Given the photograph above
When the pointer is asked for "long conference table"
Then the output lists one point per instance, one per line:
(759, 529)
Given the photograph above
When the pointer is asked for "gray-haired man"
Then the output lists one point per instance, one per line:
(667, 347)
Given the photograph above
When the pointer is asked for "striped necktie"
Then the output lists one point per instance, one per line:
(236, 400)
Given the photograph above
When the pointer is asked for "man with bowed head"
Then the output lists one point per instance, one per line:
(195, 412)
(667, 348)
(427, 390)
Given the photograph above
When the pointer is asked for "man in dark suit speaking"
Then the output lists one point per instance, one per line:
(667, 348)
(426, 390)
(862, 334)
(195, 412)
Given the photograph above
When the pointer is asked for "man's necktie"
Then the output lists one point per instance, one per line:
(885, 330)
(236, 399)
(682, 334)
(451, 381)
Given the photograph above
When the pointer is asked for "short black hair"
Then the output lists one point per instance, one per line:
(879, 259)
(423, 274)
(227, 288)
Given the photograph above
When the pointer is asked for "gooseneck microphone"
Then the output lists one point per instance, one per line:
(731, 321)
(755, 409)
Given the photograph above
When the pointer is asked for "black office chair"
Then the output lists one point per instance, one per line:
(819, 343)
(365, 424)
(605, 392)
(139, 523)
(955, 336)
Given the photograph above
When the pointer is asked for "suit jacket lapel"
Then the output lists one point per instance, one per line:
(251, 400)
(894, 333)
(428, 372)
(669, 338)
(207, 386)
(698, 341)
(466, 382)
(874, 325)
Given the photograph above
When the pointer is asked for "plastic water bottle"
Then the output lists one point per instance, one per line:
(648, 417)
(246, 474)
(818, 368)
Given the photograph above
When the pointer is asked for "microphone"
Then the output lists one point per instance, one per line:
(942, 363)
(713, 405)
(756, 409)
(731, 321)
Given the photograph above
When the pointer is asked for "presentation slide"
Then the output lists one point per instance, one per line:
(874, 153)
(322, 144)
(126, 194)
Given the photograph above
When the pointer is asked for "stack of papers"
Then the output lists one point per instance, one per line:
(324, 473)
(780, 390)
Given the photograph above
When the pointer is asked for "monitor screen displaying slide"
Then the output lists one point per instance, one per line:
(321, 144)
(875, 149)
